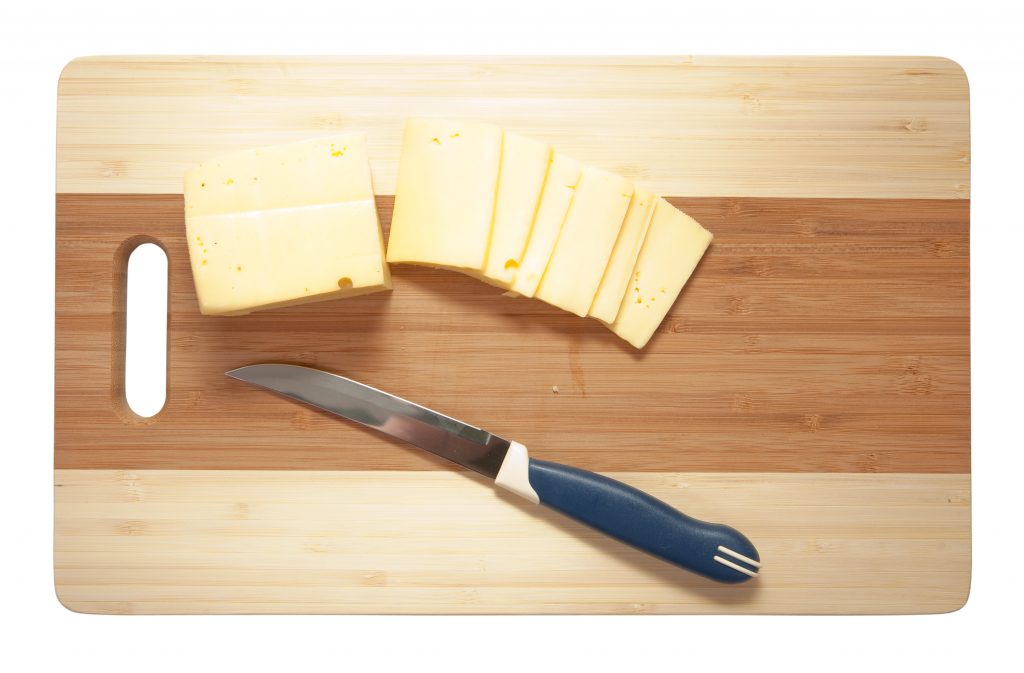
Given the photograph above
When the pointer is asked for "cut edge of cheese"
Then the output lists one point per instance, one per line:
(584, 246)
(616, 277)
(298, 301)
(524, 168)
(555, 201)
(674, 245)
(445, 194)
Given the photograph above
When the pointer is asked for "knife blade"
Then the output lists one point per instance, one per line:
(621, 511)
(447, 437)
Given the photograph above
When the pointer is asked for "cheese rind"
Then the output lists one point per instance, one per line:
(585, 243)
(445, 194)
(674, 245)
(284, 225)
(524, 166)
(627, 247)
(555, 201)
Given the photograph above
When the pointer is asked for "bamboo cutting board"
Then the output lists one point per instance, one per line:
(811, 387)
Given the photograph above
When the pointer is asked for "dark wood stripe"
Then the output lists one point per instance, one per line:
(818, 335)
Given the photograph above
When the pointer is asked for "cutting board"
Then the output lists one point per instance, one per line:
(811, 386)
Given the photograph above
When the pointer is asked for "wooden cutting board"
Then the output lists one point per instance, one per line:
(811, 387)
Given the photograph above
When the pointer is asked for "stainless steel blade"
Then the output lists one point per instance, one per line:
(447, 437)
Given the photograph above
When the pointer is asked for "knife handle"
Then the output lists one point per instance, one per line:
(634, 517)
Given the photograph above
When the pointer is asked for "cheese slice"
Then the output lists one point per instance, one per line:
(555, 201)
(627, 248)
(585, 243)
(284, 225)
(444, 197)
(524, 165)
(675, 243)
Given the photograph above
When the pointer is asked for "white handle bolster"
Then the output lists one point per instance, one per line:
(514, 474)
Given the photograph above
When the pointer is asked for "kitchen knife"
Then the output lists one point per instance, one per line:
(611, 507)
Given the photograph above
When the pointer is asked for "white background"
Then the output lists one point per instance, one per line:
(36, 41)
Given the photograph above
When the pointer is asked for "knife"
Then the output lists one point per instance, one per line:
(609, 506)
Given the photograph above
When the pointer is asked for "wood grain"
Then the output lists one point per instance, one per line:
(818, 336)
(695, 126)
(226, 541)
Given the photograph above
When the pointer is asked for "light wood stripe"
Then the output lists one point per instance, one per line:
(816, 335)
(695, 126)
(394, 542)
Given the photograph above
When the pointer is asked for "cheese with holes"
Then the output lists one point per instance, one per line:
(620, 265)
(555, 201)
(585, 243)
(674, 244)
(444, 197)
(524, 165)
(284, 225)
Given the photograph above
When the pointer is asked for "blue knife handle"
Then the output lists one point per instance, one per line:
(642, 521)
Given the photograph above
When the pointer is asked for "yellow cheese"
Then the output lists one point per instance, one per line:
(556, 198)
(444, 198)
(586, 241)
(284, 225)
(675, 243)
(323, 170)
(270, 258)
(524, 165)
(627, 247)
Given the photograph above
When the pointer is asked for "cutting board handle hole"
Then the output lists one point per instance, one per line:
(143, 359)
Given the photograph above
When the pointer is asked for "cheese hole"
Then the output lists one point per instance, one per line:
(344, 282)
(145, 352)
(511, 265)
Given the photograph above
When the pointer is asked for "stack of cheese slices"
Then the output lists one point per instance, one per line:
(284, 225)
(515, 213)
(294, 223)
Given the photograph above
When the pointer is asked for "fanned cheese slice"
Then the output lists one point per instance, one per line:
(585, 243)
(556, 198)
(627, 248)
(445, 194)
(524, 166)
(674, 244)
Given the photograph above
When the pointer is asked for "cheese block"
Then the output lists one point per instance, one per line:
(283, 225)
(524, 165)
(585, 243)
(555, 201)
(620, 265)
(674, 244)
(445, 194)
